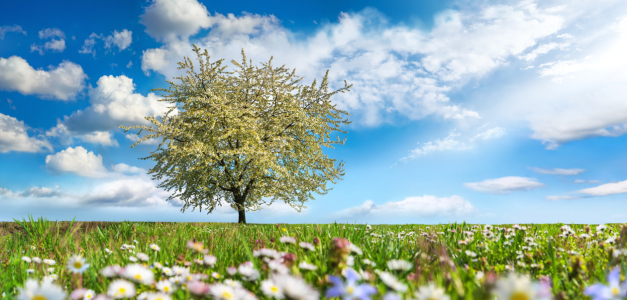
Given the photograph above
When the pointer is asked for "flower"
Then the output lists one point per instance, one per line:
(615, 290)
(155, 247)
(76, 264)
(30, 271)
(221, 291)
(248, 271)
(121, 288)
(77, 294)
(353, 248)
(167, 271)
(143, 256)
(307, 266)
(392, 282)
(307, 246)
(601, 227)
(37, 259)
(215, 275)
(89, 294)
(132, 258)
(270, 289)
(233, 283)
(110, 271)
(49, 262)
(431, 292)
(46, 291)
(138, 273)
(231, 270)
(165, 286)
(399, 264)
(350, 290)
(26, 259)
(295, 288)
(197, 246)
(517, 287)
(198, 288)
(287, 240)
(210, 260)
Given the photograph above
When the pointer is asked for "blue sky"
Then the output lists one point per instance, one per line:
(477, 111)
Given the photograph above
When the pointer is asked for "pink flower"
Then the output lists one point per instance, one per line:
(198, 288)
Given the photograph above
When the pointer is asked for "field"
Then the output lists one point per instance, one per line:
(163, 261)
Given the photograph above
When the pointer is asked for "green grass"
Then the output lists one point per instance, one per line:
(436, 257)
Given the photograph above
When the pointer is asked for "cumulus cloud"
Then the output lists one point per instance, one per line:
(127, 192)
(504, 185)
(168, 19)
(66, 137)
(13, 137)
(558, 171)
(114, 103)
(88, 45)
(6, 28)
(63, 82)
(451, 143)
(124, 168)
(76, 161)
(32, 192)
(395, 69)
(426, 205)
(606, 189)
(57, 44)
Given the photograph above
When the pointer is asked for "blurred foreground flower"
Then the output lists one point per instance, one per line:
(350, 290)
(432, 292)
(46, 291)
(615, 290)
(76, 264)
(121, 288)
(520, 287)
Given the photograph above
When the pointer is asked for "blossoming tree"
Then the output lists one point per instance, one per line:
(241, 138)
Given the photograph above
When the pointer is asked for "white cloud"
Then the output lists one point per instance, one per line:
(606, 189)
(121, 39)
(63, 82)
(13, 137)
(66, 137)
(556, 198)
(167, 19)
(76, 161)
(56, 45)
(126, 192)
(88, 45)
(114, 103)
(542, 49)
(558, 171)
(585, 181)
(134, 138)
(450, 143)
(395, 69)
(32, 192)
(504, 185)
(426, 205)
(5, 29)
(124, 168)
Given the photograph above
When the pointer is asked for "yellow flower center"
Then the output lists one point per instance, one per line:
(614, 291)
(217, 275)
(39, 297)
(166, 288)
(227, 295)
(284, 229)
(518, 295)
(350, 289)
(274, 289)
(78, 265)
(88, 296)
(138, 276)
(121, 291)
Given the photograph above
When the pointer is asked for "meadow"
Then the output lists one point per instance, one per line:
(46, 260)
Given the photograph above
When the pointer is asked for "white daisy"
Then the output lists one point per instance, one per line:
(167, 271)
(159, 296)
(270, 289)
(233, 283)
(165, 286)
(121, 288)
(143, 256)
(37, 259)
(515, 287)
(392, 282)
(49, 262)
(222, 292)
(307, 266)
(76, 264)
(155, 247)
(26, 259)
(132, 258)
(46, 291)
(399, 264)
(295, 288)
(139, 273)
(431, 292)
(89, 295)
(287, 240)
(210, 260)
(307, 246)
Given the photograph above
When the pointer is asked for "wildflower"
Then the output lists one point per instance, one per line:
(431, 292)
(165, 286)
(132, 258)
(139, 274)
(143, 256)
(76, 264)
(392, 282)
(155, 247)
(158, 265)
(231, 270)
(89, 294)
(167, 271)
(49, 262)
(307, 246)
(108, 251)
(517, 287)
(198, 288)
(26, 259)
(176, 279)
(50, 269)
(180, 270)
(287, 240)
(221, 291)
(615, 290)
(37, 259)
(248, 271)
(78, 294)
(295, 288)
(215, 275)
(399, 264)
(470, 253)
(355, 249)
(350, 290)
(233, 283)
(30, 271)
(197, 246)
(210, 260)
(271, 289)
(46, 291)
(306, 266)
(111, 271)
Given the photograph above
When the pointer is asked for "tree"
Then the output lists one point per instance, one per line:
(240, 138)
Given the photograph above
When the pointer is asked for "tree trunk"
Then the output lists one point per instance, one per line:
(242, 216)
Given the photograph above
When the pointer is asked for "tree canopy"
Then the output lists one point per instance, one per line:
(237, 139)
